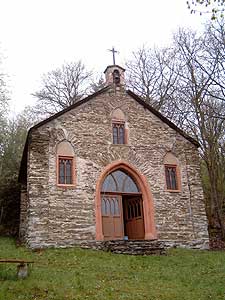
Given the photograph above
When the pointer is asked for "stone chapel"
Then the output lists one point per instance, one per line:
(110, 167)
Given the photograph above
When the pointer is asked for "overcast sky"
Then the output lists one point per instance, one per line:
(37, 36)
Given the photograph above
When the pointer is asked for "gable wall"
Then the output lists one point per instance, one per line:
(59, 216)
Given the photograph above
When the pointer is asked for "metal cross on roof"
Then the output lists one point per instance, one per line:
(113, 52)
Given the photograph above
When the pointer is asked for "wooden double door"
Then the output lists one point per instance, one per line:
(122, 215)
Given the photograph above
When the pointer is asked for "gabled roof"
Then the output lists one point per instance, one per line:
(23, 165)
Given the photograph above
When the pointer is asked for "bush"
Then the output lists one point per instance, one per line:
(9, 207)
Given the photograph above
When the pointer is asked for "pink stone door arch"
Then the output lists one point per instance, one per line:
(141, 181)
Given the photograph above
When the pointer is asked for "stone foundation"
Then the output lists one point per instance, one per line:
(134, 247)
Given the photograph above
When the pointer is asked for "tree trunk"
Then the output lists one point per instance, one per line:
(216, 201)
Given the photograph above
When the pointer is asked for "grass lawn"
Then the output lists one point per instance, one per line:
(85, 274)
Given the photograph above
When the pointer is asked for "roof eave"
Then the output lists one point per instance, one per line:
(114, 66)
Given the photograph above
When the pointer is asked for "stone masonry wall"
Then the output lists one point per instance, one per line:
(63, 216)
(23, 212)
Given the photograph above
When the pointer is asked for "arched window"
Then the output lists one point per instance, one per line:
(65, 164)
(118, 127)
(172, 173)
(119, 181)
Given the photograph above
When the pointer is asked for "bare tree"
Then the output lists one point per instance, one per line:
(97, 83)
(214, 8)
(200, 80)
(187, 85)
(214, 58)
(63, 87)
(4, 107)
(149, 76)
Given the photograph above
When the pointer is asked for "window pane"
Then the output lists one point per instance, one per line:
(68, 171)
(130, 186)
(109, 184)
(61, 171)
(103, 207)
(132, 210)
(136, 209)
(139, 208)
(118, 133)
(117, 210)
(119, 178)
(107, 211)
(121, 134)
(167, 177)
(65, 171)
(119, 181)
(112, 207)
(115, 134)
(129, 211)
(171, 179)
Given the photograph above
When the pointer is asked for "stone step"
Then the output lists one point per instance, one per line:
(131, 247)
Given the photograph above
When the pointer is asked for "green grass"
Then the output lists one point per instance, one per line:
(85, 274)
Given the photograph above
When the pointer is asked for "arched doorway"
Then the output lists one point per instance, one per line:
(124, 205)
(121, 207)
